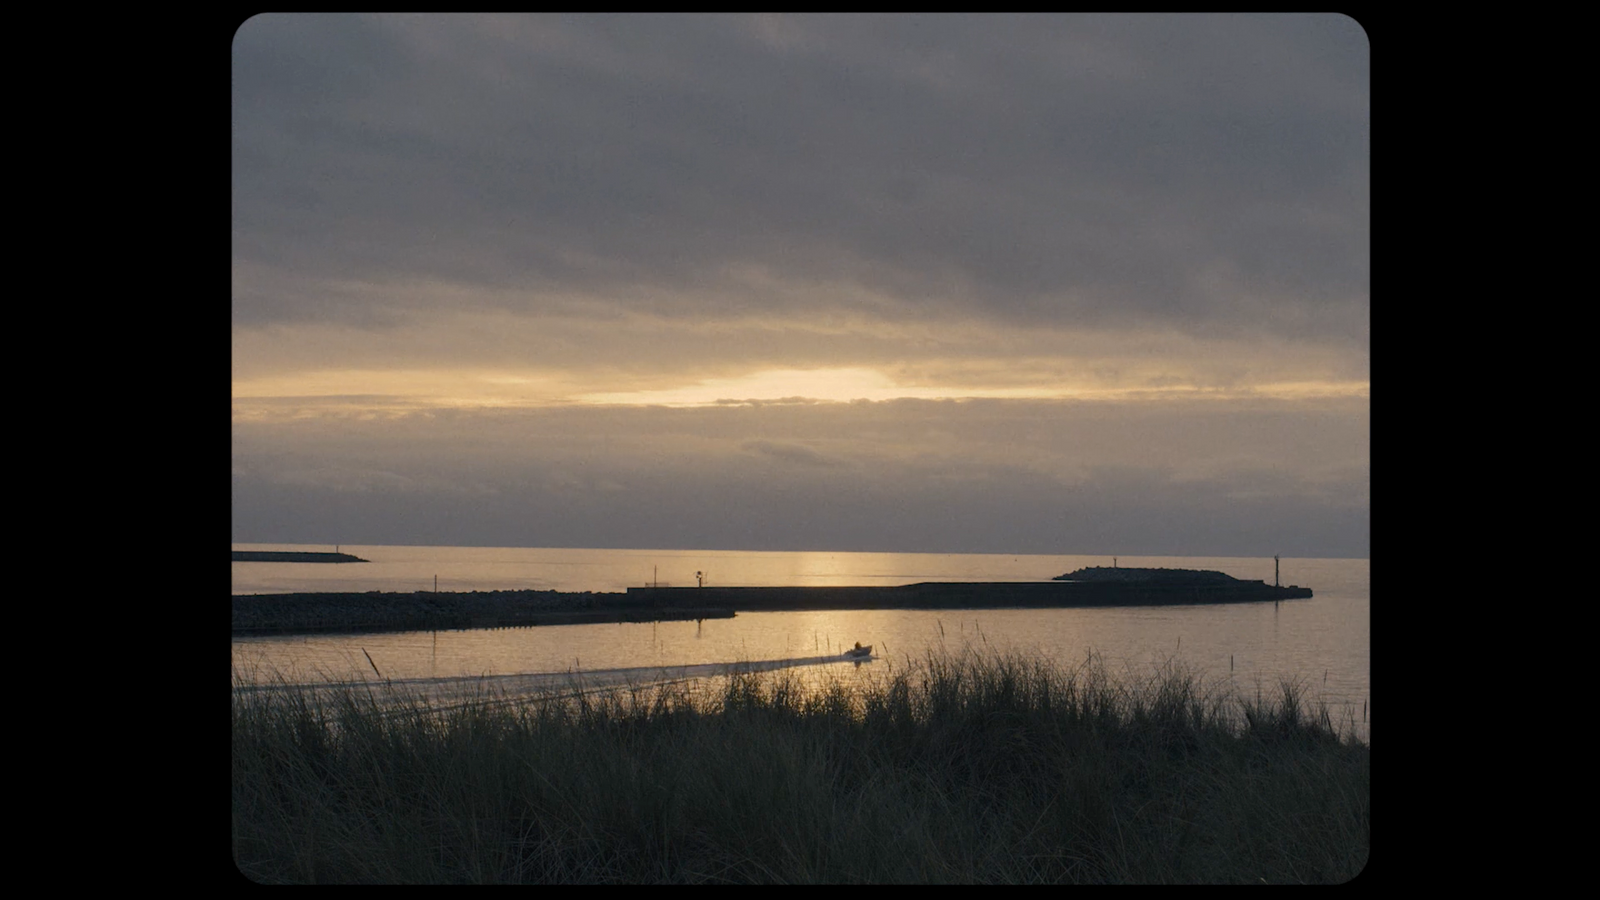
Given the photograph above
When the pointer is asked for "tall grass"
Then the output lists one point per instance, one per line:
(963, 768)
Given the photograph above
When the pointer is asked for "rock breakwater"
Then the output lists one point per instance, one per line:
(311, 613)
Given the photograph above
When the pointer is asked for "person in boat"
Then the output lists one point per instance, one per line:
(858, 645)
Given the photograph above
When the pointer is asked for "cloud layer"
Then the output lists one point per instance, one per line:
(470, 251)
(1203, 171)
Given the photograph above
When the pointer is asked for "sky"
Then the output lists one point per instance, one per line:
(1061, 284)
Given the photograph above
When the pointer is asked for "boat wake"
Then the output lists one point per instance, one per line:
(461, 689)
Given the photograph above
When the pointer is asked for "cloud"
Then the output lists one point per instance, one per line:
(902, 475)
(484, 359)
(1060, 282)
(797, 454)
(1207, 172)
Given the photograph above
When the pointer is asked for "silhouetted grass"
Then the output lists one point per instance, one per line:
(963, 769)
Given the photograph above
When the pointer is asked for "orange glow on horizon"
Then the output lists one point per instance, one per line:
(399, 390)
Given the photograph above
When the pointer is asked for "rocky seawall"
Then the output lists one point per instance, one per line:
(973, 595)
(294, 556)
(319, 613)
(311, 613)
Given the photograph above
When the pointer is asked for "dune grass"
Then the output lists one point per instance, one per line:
(964, 768)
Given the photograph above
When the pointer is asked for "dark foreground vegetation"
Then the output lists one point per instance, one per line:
(964, 769)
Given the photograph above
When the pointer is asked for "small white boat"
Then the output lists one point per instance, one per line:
(858, 652)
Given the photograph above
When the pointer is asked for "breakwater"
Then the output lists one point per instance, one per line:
(294, 556)
(311, 613)
(323, 613)
(973, 595)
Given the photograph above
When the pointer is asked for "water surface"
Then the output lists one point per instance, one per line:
(1323, 642)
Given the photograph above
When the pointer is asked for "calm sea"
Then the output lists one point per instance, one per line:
(1323, 643)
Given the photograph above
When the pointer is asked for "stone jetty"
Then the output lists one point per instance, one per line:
(319, 613)
(293, 556)
(980, 595)
(435, 611)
